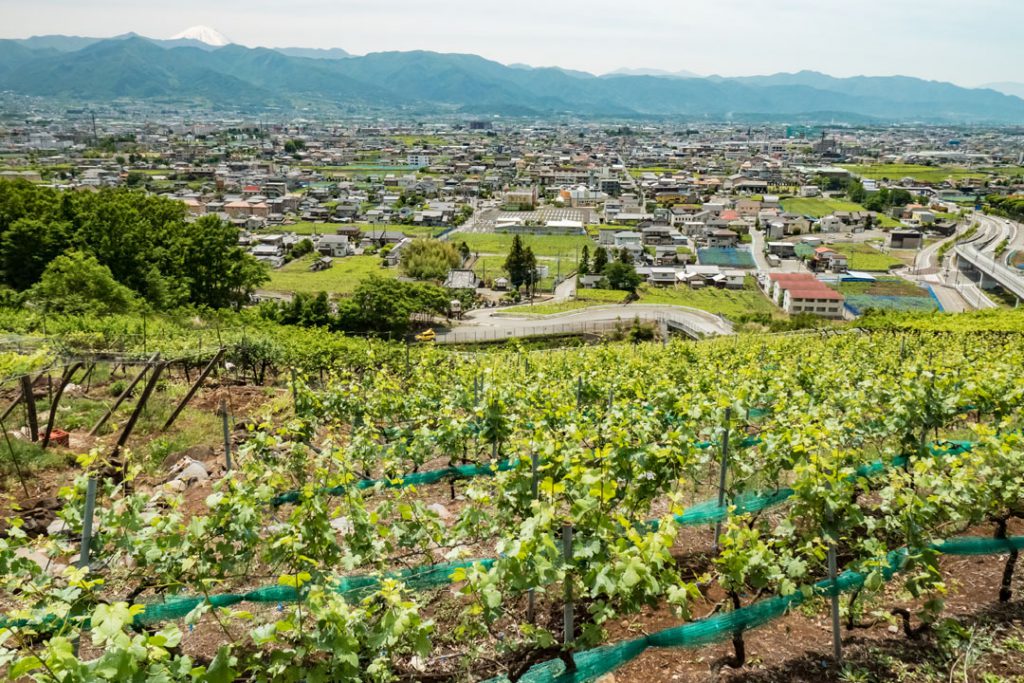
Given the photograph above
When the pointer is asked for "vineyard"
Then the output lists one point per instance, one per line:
(532, 516)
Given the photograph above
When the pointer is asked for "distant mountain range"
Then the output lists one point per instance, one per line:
(190, 69)
(1007, 88)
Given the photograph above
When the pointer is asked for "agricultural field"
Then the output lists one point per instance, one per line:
(862, 256)
(542, 245)
(506, 512)
(925, 174)
(725, 302)
(309, 228)
(887, 293)
(341, 278)
(418, 140)
(818, 207)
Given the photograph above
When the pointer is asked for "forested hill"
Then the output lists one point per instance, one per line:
(241, 77)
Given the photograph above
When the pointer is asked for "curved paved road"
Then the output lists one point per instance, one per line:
(482, 325)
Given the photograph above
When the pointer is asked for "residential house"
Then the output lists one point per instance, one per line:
(722, 238)
(626, 238)
(905, 239)
(804, 293)
(333, 245)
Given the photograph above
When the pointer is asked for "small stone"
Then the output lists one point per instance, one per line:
(175, 486)
(57, 526)
(893, 628)
(342, 525)
(51, 567)
(191, 471)
(439, 510)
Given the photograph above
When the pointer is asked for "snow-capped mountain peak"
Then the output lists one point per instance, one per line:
(204, 34)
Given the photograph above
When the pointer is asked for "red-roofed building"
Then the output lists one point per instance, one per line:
(804, 293)
(828, 259)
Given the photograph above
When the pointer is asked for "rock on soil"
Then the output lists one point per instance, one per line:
(189, 471)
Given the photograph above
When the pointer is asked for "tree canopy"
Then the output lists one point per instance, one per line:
(622, 276)
(145, 241)
(520, 264)
(426, 259)
(78, 284)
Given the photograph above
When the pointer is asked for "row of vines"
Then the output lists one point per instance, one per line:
(565, 478)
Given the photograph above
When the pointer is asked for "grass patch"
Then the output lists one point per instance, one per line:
(30, 458)
(341, 278)
(926, 174)
(418, 140)
(888, 286)
(542, 245)
(864, 257)
(726, 302)
(309, 228)
(818, 207)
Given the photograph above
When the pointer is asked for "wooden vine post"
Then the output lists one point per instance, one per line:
(124, 394)
(722, 474)
(52, 417)
(193, 389)
(28, 394)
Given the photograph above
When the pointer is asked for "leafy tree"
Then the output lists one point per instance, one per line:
(624, 256)
(464, 251)
(28, 246)
(384, 306)
(584, 266)
(145, 241)
(426, 259)
(600, 260)
(303, 247)
(855, 190)
(78, 284)
(622, 276)
(520, 264)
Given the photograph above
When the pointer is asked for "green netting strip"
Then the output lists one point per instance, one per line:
(411, 479)
(597, 662)
(433, 576)
(419, 578)
(443, 474)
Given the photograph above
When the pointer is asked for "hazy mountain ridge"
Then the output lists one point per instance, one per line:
(133, 66)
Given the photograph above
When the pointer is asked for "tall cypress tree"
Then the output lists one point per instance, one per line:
(515, 263)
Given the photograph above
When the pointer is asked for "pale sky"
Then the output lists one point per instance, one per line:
(968, 42)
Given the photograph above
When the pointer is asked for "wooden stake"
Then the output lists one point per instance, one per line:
(158, 368)
(28, 394)
(227, 433)
(90, 509)
(124, 394)
(193, 389)
(568, 627)
(722, 475)
(837, 636)
(531, 610)
(65, 379)
(14, 459)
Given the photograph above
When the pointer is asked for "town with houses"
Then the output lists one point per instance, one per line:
(735, 221)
